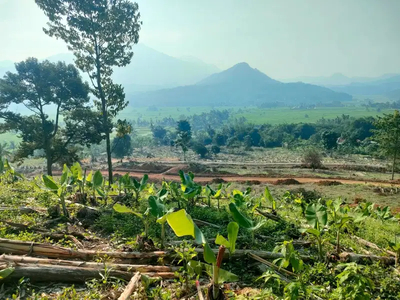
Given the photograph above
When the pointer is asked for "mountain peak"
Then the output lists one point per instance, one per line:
(241, 73)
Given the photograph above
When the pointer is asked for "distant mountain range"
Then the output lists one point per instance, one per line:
(149, 70)
(240, 85)
(383, 85)
(154, 78)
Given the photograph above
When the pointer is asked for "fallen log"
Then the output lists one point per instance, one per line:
(371, 245)
(14, 259)
(47, 273)
(130, 287)
(48, 250)
(274, 268)
(365, 259)
(270, 216)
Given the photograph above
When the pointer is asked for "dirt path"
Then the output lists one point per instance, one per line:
(202, 178)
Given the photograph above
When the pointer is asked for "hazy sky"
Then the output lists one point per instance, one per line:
(283, 38)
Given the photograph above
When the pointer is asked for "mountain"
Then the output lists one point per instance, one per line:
(240, 85)
(337, 79)
(381, 86)
(149, 70)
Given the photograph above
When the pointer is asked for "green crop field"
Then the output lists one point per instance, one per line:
(253, 114)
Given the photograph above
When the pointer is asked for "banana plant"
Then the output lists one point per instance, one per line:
(383, 214)
(158, 210)
(340, 218)
(240, 198)
(190, 189)
(182, 225)
(244, 221)
(230, 243)
(60, 189)
(139, 186)
(395, 246)
(96, 183)
(268, 197)
(317, 217)
(122, 209)
(290, 257)
(7, 172)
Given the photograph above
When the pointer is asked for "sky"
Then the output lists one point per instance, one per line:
(282, 38)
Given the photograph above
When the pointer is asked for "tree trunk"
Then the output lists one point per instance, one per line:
(109, 159)
(394, 164)
(105, 115)
(49, 163)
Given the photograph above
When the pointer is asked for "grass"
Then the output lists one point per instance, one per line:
(254, 115)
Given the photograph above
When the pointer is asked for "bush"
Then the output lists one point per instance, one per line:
(215, 150)
(312, 159)
(200, 150)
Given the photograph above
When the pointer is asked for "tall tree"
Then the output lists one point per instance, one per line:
(387, 134)
(101, 34)
(183, 136)
(122, 143)
(51, 91)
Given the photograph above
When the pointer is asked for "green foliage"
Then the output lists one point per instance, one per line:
(352, 284)
(101, 35)
(290, 257)
(40, 86)
(184, 135)
(387, 134)
(233, 230)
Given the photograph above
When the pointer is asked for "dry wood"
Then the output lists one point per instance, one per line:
(23, 210)
(270, 216)
(50, 251)
(204, 223)
(14, 259)
(47, 273)
(47, 250)
(130, 288)
(271, 265)
(363, 259)
(372, 245)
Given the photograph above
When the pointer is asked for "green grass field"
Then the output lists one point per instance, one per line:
(255, 115)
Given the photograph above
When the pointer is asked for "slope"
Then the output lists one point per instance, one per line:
(240, 85)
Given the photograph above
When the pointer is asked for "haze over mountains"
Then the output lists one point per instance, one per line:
(240, 85)
(154, 78)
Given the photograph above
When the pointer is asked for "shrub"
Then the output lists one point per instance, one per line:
(215, 150)
(200, 150)
(312, 159)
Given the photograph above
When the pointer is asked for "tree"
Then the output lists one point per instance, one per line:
(159, 134)
(215, 149)
(122, 143)
(183, 136)
(122, 146)
(387, 134)
(329, 139)
(200, 149)
(101, 34)
(312, 159)
(48, 89)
